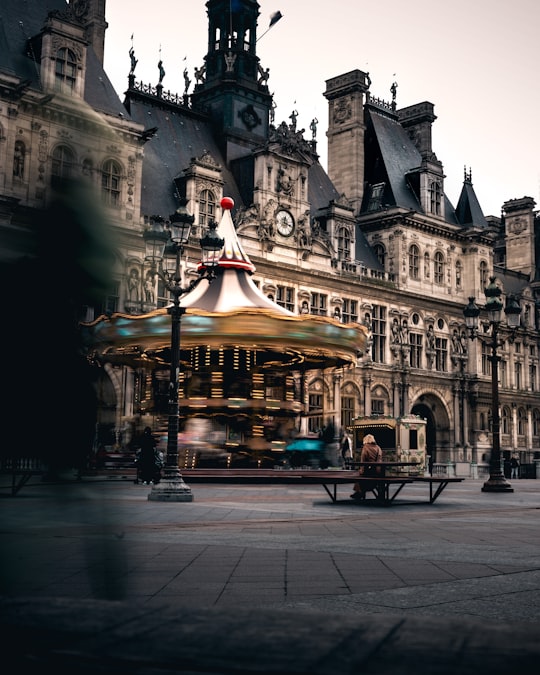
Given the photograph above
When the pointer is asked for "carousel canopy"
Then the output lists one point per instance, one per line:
(229, 312)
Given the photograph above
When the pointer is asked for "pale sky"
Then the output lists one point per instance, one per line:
(477, 61)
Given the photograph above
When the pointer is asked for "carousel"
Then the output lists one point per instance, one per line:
(242, 359)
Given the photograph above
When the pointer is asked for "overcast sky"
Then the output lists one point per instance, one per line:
(477, 61)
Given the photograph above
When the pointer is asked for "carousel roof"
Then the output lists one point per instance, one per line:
(230, 311)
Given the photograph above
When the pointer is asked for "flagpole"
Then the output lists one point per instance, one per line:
(276, 16)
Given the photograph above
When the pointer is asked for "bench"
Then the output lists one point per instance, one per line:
(439, 481)
(21, 470)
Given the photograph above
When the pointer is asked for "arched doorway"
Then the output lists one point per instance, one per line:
(423, 410)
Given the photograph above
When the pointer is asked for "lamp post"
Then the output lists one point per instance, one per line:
(170, 237)
(496, 482)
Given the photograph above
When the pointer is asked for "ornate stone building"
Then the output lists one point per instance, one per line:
(373, 240)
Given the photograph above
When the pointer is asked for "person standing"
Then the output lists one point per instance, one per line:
(372, 453)
(514, 467)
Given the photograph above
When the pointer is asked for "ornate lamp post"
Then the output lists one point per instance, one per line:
(496, 482)
(173, 235)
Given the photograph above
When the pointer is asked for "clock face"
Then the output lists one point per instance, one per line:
(285, 223)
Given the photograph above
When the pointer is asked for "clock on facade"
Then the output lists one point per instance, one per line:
(285, 223)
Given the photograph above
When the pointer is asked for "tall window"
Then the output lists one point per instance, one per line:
(435, 198)
(344, 244)
(285, 297)
(349, 310)
(378, 330)
(518, 369)
(315, 419)
(66, 70)
(438, 268)
(532, 377)
(63, 161)
(319, 304)
(441, 354)
(414, 256)
(536, 422)
(522, 422)
(505, 420)
(415, 340)
(207, 208)
(380, 252)
(486, 363)
(111, 182)
(347, 410)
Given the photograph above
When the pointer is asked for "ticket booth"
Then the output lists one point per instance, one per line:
(402, 439)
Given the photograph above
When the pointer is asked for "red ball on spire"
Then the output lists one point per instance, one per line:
(227, 203)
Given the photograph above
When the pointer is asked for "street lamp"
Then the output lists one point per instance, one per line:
(160, 238)
(496, 482)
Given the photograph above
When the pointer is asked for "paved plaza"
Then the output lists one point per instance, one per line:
(461, 573)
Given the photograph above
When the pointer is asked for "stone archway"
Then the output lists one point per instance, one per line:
(434, 412)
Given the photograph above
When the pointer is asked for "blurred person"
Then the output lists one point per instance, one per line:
(49, 380)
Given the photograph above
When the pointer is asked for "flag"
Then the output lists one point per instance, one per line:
(274, 18)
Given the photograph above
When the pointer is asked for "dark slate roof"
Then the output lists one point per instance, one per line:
(20, 21)
(99, 92)
(321, 190)
(181, 136)
(468, 210)
(399, 155)
(392, 157)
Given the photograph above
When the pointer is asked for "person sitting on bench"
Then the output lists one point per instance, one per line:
(371, 452)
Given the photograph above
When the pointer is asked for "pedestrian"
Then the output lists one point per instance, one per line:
(372, 453)
(514, 466)
(346, 450)
(146, 460)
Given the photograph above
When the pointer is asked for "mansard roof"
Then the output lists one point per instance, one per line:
(180, 137)
(16, 52)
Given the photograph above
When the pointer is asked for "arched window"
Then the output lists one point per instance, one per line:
(111, 182)
(505, 420)
(459, 273)
(483, 274)
(19, 157)
(414, 256)
(536, 422)
(380, 252)
(207, 208)
(438, 268)
(66, 70)
(522, 422)
(344, 244)
(435, 198)
(63, 161)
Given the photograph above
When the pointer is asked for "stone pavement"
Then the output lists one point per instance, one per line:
(96, 578)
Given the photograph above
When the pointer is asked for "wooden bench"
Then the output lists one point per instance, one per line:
(21, 470)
